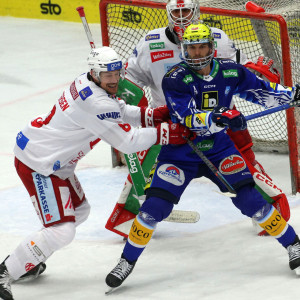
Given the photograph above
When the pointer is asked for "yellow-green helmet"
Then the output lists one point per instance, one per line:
(197, 34)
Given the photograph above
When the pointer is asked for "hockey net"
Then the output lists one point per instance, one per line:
(125, 22)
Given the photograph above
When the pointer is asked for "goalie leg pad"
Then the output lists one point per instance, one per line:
(282, 205)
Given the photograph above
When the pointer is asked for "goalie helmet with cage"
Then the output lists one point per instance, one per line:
(197, 34)
(104, 59)
(181, 13)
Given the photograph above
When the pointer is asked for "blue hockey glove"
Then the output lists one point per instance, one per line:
(224, 116)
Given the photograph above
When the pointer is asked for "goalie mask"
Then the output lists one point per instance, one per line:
(181, 13)
(197, 34)
(104, 59)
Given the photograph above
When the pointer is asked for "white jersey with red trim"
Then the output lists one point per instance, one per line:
(156, 53)
(84, 114)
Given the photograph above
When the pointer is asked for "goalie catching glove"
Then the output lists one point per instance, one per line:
(264, 68)
(224, 116)
(152, 117)
(173, 133)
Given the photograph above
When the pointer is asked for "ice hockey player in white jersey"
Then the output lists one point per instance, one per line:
(48, 149)
(159, 50)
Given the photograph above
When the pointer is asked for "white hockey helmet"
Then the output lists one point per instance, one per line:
(104, 59)
(197, 34)
(181, 22)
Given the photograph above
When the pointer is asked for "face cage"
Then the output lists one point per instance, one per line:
(183, 22)
(197, 63)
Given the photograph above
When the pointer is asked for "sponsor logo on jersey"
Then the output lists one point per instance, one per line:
(150, 37)
(63, 103)
(56, 165)
(232, 164)
(86, 92)
(171, 174)
(226, 61)
(217, 35)
(173, 69)
(159, 55)
(75, 160)
(230, 73)
(209, 86)
(209, 100)
(205, 145)
(109, 115)
(46, 197)
(154, 46)
(135, 53)
(22, 140)
(74, 91)
(188, 78)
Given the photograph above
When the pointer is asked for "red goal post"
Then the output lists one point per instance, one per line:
(125, 22)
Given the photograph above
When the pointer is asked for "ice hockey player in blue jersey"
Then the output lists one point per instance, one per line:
(198, 93)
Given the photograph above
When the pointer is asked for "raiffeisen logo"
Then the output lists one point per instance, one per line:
(159, 55)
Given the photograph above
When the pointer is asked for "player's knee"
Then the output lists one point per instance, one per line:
(248, 200)
(157, 208)
(60, 235)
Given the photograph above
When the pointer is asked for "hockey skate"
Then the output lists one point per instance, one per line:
(294, 255)
(116, 277)
(5, 280)
(32, 274)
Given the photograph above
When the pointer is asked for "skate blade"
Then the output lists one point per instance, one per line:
(227, 194)
(297, 271)
(110, 290)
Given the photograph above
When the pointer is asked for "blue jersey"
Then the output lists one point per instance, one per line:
(188, 94)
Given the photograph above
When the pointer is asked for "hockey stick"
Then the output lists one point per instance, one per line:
(81, 12)
(272, 110)
(136, 173)
(231, 192)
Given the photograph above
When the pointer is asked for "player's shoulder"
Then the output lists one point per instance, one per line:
(226, 63)
(218, 33)
(229, 67)
(178, 76)
(177, 71)
(155, 34)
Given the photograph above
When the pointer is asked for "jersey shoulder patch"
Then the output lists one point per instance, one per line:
(85, 93)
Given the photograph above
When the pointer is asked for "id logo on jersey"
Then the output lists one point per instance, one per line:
(209, 100)
(86, 92)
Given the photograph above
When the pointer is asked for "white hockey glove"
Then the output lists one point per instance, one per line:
(151, 117)
(173, 133)
(264, 68)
